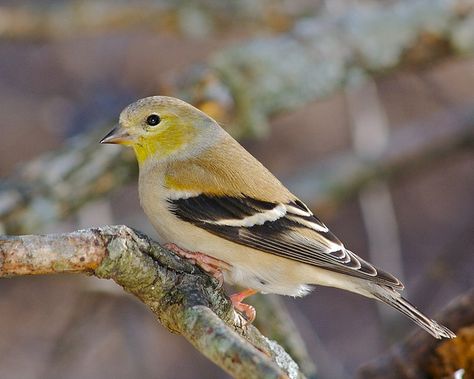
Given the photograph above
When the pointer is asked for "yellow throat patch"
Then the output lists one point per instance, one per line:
(164, 142)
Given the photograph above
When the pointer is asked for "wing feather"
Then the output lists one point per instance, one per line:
(286, 230)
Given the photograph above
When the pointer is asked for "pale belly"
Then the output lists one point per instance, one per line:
(250, 268)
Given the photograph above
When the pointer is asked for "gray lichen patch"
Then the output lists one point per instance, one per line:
(463, 36)
(185, 300)
(127, 265)
(283, 359)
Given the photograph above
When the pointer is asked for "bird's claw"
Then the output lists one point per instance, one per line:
(210, 265)
(244, 309)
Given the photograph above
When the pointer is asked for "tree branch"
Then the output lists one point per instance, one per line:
(183, 298)
(275, 320)
(247, 84)
(325, 53)
(195, 19)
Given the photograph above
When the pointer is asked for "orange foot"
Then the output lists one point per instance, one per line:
(212, 266)
(247, 310)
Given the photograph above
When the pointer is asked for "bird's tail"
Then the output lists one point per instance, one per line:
(393, 298)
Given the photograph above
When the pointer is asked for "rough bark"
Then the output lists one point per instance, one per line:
(183, 298)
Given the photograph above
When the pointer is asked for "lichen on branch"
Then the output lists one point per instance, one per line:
(183, 298)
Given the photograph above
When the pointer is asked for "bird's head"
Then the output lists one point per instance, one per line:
(160, 127)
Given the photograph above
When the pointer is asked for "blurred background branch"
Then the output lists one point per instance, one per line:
(54, 185)
(409, 148)
(419, 356)
(244, 86)
(184, 299)
(323, 54)
(60, 20)
(375, 199)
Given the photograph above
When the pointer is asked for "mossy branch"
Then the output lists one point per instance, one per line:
(184, 299)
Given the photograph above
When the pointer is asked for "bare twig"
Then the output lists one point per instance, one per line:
(184, 299)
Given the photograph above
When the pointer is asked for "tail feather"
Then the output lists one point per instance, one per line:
(394, 299)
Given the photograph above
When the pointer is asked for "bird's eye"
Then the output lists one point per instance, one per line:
(153, 120)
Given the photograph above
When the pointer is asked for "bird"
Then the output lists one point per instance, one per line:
(211, 201)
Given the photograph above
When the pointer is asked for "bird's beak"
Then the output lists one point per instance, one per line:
(117, 135)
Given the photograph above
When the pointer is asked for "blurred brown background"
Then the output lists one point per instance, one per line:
(69, 67)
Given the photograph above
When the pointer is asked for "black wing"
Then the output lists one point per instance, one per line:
(286, 230)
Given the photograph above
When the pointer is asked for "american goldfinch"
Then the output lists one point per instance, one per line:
(213, 202)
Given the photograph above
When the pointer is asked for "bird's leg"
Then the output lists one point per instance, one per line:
(247, 310)
(212, 266)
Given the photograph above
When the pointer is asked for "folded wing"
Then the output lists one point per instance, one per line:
(287, 230)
